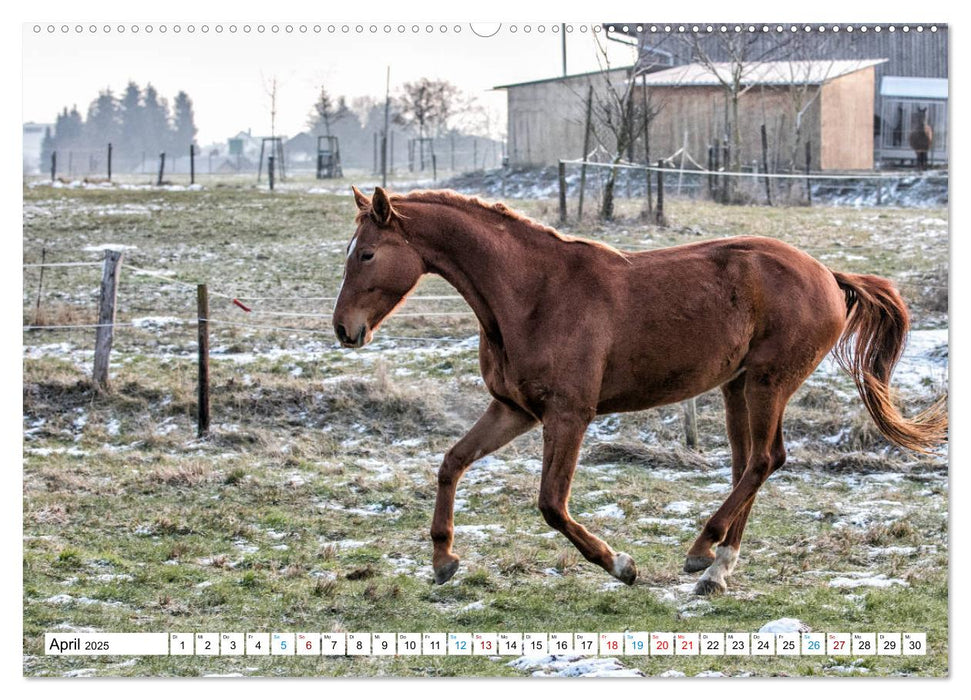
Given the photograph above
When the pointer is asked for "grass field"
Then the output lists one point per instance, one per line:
(308, 508)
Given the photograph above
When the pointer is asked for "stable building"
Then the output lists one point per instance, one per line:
(828, 105)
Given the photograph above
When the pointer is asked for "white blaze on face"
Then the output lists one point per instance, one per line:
(350, 252)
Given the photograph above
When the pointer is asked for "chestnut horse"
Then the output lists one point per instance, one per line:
(571, 328)
(921, 136)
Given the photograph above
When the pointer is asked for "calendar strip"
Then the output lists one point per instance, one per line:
(671, 644)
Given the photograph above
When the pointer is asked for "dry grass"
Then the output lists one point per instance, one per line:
(61, 314)
(650, 456)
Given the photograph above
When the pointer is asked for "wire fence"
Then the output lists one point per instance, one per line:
(204, 319)
(684, 177)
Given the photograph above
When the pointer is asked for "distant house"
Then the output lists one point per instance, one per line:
(33, 140)
(302, 148)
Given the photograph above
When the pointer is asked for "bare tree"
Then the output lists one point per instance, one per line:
(618, 119)
(270, 87)
(730, 56)
(426, 105)
(808, 66)
(326, 112)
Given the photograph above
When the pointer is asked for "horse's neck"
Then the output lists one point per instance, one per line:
(482, 262)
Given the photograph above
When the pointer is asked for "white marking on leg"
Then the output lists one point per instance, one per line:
(622, 563)
(728, 556)
(725, 560)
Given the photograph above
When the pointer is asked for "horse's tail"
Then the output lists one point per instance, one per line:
(869, 349)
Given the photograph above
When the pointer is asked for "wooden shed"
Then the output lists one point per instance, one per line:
(546, 117)
(829, 104)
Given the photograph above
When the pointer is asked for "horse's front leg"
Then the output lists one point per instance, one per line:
(562, 435)
(497, 426)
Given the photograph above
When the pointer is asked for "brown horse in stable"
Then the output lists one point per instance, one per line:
(571, 328)
(921, 136)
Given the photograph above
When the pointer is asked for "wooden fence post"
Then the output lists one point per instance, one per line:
(53, 165)
(586, 150)
(161, 168)
(690, 410)
(562, 179)
(106, 317)
(765, 166)
(434, 167)
(659, 218)
(726, 159)
(192, 164)
(40, 285)
(269, 170)
(647, 149)
(202, 304)
(109, 161)
(809, 155)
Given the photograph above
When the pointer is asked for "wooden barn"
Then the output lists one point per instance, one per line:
(831, 101)
(827, 104)
(915, 51)
(546, 118)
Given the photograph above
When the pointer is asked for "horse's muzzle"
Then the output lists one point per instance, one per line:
(349, 341)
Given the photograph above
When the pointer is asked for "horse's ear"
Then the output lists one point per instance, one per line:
(363, 203)
(381, 207)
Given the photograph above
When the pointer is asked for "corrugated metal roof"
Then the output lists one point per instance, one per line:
(919, 88)
(760, 72)
(563, 77)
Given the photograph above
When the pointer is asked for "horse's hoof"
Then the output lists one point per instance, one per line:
(624, 568)
(446, 571)
(693, 563)
(709, 586)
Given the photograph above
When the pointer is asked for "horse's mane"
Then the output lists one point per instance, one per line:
(473, 204)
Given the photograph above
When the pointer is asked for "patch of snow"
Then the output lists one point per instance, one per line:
(611, 510)
(679, 507)
(154, 322)
(863, 579)
(785, 624)
(573, 666)
(478, 530)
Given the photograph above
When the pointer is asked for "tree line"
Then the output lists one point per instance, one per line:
(139, 121)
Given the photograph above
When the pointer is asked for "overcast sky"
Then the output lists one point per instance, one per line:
(226, 73)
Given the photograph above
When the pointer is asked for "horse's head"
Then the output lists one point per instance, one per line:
(380, 270)
(918, 117)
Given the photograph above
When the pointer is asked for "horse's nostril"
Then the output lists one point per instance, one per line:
(341, 333)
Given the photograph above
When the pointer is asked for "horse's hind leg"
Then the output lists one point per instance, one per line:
(726, 553)
(765, 404)
(562, 436)
(497, 426)
(721, 562)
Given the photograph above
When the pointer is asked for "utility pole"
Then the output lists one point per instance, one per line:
(563, 44)
(384, 136)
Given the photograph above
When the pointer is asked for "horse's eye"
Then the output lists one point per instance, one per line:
(366, 256)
